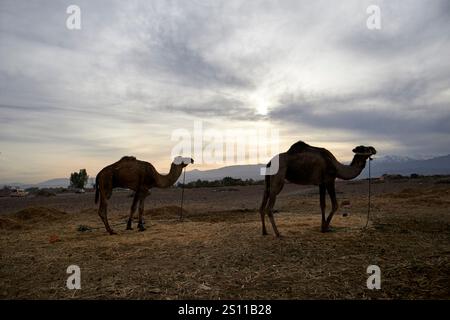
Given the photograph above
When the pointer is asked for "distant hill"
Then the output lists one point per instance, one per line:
(379, 166)
(52, 183)
(250, 171)
(407, 166)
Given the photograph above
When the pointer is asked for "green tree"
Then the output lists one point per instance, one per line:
(79, 179)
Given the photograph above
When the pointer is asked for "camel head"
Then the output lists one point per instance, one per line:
(366, 152)
(182, 161)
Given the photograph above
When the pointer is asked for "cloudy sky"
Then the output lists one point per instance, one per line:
(138, 70)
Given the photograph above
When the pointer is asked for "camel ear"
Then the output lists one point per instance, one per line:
(358, 149)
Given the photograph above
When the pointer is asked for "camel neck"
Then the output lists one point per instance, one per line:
(167, 180)
(359, 161)
(351, 171)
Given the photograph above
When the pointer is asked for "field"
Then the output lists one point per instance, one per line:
(217, 250)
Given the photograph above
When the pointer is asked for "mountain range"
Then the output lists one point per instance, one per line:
(378, 167)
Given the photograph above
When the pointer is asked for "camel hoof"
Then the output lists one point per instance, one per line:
(129, 224)
(112, 232)
(142, 229)
(279, 236)
(325, 230)
(264, 233)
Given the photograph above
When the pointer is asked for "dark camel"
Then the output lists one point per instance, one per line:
(308, 165)
(139, 176)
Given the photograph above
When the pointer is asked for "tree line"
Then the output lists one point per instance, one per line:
(225, 182)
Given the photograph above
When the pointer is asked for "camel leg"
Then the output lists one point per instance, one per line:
(276, 185)
(106, 187)
(272, 199)
(141, 211)
(102, 212)
(132, 210)
(334, 204)
(323, 205)
(262, 211)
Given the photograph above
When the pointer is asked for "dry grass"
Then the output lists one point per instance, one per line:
(217, 251)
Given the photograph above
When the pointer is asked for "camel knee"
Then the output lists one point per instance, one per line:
(141, 214)
(102, 211)
(101, 216)
(333, 210)
(262, 212)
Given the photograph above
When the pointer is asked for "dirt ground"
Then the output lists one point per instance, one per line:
(218, 252)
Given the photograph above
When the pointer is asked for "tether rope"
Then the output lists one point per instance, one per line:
(368, 205)
(182, 193)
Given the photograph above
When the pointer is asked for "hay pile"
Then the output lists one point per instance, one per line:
(9, 224)
(30, 215)
(35, 214)
(45, 193)
(433, 196)
(166, 212)
(89, 211)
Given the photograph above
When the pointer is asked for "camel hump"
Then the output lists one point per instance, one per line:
(127, 158)
(298, 147)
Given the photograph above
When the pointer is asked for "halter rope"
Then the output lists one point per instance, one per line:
(182, 194)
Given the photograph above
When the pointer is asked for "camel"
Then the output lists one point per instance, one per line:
(137, 175)
(307, 165)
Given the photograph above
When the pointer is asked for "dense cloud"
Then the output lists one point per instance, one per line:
(139, 69)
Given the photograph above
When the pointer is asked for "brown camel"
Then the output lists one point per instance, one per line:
(139, 176)
(308, 165)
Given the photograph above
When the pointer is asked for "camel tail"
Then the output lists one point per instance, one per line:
(97, 192)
